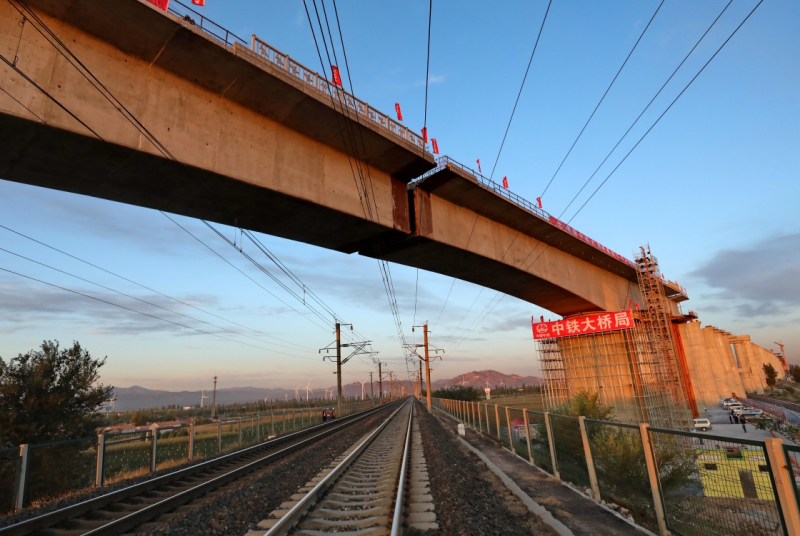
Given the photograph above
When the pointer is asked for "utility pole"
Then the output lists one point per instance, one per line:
(338, 369)
(427, 367)
(371, 387)
(380, 381)
(214, 400)
(426, 358)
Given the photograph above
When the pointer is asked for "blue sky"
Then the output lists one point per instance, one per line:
(713, 189)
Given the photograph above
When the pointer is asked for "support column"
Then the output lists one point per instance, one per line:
(528, 434)
(510, 436)
(191, 441)
(587, 450)
(22, 477)
(101, 450)
(784, 484)
(553, 460)
(652, 474)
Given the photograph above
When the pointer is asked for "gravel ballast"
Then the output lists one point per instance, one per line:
(469, 498)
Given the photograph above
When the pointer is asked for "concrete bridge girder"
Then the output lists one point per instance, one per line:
(257, 148)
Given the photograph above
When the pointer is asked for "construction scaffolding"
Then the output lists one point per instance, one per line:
(635, 371)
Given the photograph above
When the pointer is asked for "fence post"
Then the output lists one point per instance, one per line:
(510, 437)
(219, 435)
(191, 441)
(784, 482)
(497, 417)
(240, 432)
(527, 434)
(154, 431)
(652, 473)
(478, 410)
(272, 423)
(258, 428)
(22, 477)
(101, 450)
(587, 450)
(549, 426)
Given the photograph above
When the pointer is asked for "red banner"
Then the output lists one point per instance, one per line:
(161, 4)
(397, 109)
(435, 146)
(424, 135)
(505, 182)
(337, 79)
(479, 165)
(201, 3)
(584, 324)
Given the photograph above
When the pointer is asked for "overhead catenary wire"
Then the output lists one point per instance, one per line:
(139, 312)
(513, 110)
(602, 98)
(18, 255)
(624, 158)
(182, 302)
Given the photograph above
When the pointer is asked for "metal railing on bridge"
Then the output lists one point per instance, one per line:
(194, 19)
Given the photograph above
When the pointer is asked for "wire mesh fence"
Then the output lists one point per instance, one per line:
(230, 435)
(9, 469)
(205, 440)
(60, 468)
(792, 454)
(621, 469)
(249, 436)
(715, 486)
(172, 447)
(540, 445)
(570, 454)
(126, 456)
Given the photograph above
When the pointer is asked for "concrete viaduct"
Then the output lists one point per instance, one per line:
(261, 142)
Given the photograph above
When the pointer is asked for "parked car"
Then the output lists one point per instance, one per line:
(702, 424)
(751, 412)
(725, 401)
(734, 407)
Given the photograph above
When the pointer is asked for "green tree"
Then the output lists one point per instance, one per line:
(770, 375)
(50, 394)
(794, 370)
(138, 418)
(461, 392)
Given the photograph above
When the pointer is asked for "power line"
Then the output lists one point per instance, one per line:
(522, 85)
(623, 160)
(138, 312)
(148, 288)
(602, 98)
(143, 300)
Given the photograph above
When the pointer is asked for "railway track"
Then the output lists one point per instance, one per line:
(375, 488)
(132, 508)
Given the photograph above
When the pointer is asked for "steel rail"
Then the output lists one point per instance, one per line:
(141, 516)
(399, 505)
(296, 513)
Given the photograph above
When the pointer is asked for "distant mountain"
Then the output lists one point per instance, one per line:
(137, 397)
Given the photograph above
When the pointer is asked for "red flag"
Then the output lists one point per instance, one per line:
(425, 135)
(435, 146)
(336, 78)
(201, 3)
(505, 182)
(630, 304)
(161, 4)
(397, 109)
(479, 165)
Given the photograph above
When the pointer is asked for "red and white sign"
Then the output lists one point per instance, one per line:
(337, 79)
(201, 3)
(397, 109)
(435, 146)
(584, 324)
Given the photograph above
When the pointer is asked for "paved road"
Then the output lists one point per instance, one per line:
(721, 426)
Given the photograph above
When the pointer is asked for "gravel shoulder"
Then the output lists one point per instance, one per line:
(469, 498)
(581, 515)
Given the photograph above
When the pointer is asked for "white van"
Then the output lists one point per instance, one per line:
(734, 406)
(702, 424)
